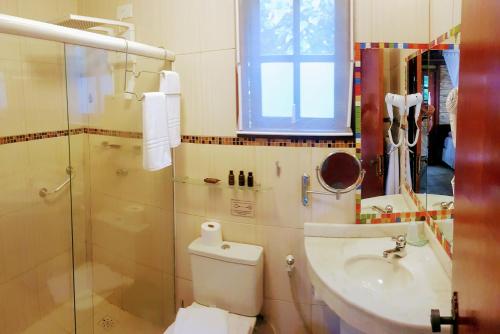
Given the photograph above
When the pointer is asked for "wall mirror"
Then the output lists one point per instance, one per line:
(440, 88)
(392, 113)
(408, 145)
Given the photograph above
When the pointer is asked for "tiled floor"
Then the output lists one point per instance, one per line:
(106, 319)
(437, 180)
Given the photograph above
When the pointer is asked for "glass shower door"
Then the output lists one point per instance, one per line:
(123, 215)
(36, 240)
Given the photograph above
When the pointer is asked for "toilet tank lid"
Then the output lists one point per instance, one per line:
(229, 251)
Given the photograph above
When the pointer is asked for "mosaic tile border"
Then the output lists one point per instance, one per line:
(237, 141)
(438, 44)
(265, 141)
(452, 33)
(63, 133)
(113, 133)
(39, 136)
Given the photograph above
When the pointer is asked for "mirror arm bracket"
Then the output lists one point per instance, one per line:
(306, 182)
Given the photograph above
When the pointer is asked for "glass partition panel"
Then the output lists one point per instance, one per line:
(123, 214)
(36, 254)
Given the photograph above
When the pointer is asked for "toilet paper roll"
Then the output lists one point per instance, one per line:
(211, 234)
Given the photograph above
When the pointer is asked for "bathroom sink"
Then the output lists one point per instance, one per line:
(370, 293)
(378, 273)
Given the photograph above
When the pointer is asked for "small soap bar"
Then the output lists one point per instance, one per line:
(211, 180)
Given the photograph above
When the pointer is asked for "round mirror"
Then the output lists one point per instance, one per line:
(340, 172)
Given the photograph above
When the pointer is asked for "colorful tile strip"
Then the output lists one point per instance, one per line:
(239, 141)
(260, 141)
(38, 136)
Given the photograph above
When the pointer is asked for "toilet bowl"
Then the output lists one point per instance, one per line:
(228, 276)
(237, 324)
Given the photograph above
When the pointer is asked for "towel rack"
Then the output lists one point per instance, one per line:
(135, 74)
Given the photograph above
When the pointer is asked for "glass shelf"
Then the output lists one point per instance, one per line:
(220, 185)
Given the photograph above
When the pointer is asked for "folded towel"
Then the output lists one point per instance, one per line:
(170, 85)
(201, 320)
(156, 145)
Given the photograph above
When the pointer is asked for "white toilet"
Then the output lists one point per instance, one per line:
(229, 277)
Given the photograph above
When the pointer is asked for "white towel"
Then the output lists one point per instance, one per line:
(156, 145)
(202, 320)
(170, 85)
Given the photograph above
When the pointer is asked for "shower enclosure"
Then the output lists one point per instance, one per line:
(86, 235)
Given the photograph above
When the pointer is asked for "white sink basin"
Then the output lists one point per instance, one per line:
(372, 294)
(377, 273)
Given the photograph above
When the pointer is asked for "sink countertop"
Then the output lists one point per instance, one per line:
(401, 306)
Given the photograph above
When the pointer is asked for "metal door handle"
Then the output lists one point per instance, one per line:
(437, 320)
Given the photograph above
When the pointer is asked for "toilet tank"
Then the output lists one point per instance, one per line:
(229, 277)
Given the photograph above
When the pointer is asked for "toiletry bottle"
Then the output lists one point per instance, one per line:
(250, 179)
(241, 179)
(231, 178)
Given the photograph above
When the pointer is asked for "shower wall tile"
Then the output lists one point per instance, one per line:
(23, 308)
(12, 104)
(55, 288)
(118, 172)
(44, 92)
(15, 181)
(136, 232)
(18, 241)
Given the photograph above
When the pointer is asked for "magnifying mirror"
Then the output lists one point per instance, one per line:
(339, 173)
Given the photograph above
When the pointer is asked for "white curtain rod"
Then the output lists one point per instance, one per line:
(36, 29)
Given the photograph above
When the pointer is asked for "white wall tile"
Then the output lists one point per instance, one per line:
(187, 229)
(219, 93)
(285, 317)
(217, 24)
(324, 320)
(190, 71)
(278, 243)
(281, 205)
(441, 17)
(183, 292)
(183, 21)
(363, 18)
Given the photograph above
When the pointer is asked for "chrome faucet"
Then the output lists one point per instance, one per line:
(400, 249)
(447, 205)
(387, 209)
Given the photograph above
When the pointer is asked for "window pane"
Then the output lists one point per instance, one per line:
(276, 27)
(317, 27)
(277, 89)
(317, 90)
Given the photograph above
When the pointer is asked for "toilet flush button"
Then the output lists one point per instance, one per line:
(225, 246)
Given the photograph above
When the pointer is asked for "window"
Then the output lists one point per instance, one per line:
(295, 68)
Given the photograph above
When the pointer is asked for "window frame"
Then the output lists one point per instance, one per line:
(296, 59)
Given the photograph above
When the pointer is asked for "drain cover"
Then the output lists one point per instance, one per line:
(107, 322)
